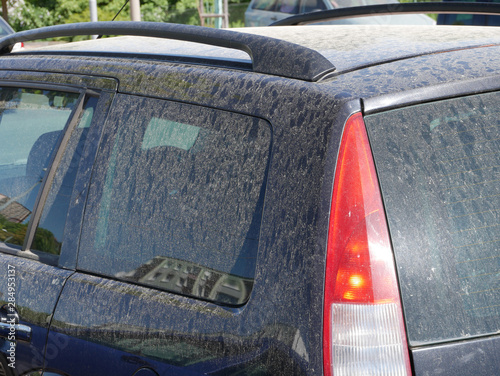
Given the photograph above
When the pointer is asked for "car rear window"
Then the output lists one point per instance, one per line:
(176, 199)
(439, 170)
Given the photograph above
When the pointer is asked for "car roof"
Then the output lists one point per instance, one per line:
(352, 47)
(347, 47)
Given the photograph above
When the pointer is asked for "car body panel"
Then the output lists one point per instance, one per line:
(473, 357)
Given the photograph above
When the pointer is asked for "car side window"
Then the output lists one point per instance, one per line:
(269, 5)
(288, 6)
(176, 200)
(312, 6)
(31, 124)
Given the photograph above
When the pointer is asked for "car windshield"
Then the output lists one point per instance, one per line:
(5, 28)
(470, 19)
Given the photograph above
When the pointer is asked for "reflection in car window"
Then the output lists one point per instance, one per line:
(445, 157)
(48, 236)
(31, 122)
(176, 201)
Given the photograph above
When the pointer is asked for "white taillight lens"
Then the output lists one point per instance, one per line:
(364, 331)
(367, 340)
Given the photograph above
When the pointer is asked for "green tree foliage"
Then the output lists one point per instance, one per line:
(29, 14)
(14, 233)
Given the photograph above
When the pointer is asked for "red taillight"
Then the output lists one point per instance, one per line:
(364, 331)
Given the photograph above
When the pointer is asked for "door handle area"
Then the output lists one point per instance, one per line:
(10, 329)
(15, 332)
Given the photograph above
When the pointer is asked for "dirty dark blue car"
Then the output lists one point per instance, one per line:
(296, 200)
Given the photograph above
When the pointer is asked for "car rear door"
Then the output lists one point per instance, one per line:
(45, 123)
(439, 168)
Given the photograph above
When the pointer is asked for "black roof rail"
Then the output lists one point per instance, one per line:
(390, 9)
(269, 55)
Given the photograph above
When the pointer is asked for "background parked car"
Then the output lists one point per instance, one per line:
(6, 29)
(470, 19)
(265, 12)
